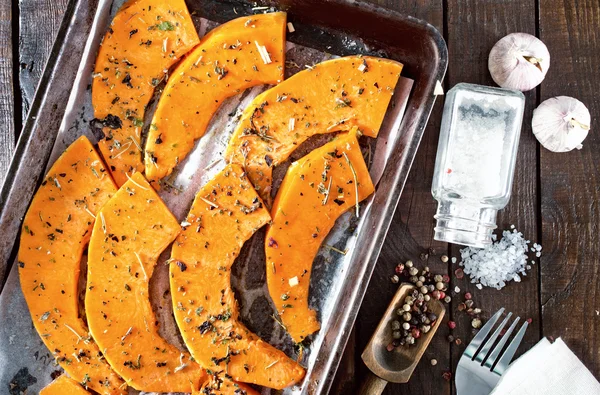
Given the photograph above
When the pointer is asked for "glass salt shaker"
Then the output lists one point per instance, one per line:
(475, 161)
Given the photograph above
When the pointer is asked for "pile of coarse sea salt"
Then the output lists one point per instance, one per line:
(502, 261)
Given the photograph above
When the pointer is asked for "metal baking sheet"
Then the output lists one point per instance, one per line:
(324, 29)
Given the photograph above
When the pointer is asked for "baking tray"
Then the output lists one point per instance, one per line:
(59, 113)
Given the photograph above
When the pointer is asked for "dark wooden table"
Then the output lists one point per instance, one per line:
(556, 197)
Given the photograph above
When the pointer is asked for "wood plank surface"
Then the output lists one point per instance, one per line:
(39, 21)
(570, 184)
(410, 235)
(7, 132)
(473, 28)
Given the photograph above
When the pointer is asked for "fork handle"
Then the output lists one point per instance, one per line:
(372, 385)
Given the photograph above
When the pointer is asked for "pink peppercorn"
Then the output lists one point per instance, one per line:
(468, 296)
(416, 333)
(390, 347)
(446, 278)
(459, 273)
(447, 376)
(529, 320)
(451, 324)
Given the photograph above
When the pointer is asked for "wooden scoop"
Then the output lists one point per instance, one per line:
(395, 366)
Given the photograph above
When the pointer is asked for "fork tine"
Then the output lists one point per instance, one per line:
(508, 355)
(485, 350)
(472, 348)
(489, 362)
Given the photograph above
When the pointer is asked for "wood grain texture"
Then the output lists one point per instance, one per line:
(473, 28)
(372, 385)
(7, 133)
(570, 184)
(410, 234)
(39, 21)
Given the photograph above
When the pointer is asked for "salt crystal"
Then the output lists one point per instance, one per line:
(453, 259)
(476, 172)
(439, 89)
(503, 261)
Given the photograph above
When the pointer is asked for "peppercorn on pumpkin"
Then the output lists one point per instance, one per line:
(237, 55)
(331, 96)
(131, 231)
(64, 385)
(145, 38)
(56, 229)
(321, 187)
(226, 212)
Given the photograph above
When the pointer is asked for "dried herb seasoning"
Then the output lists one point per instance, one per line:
(213, 334)
(43, 247)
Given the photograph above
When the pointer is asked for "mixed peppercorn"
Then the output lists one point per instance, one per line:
(414, 316)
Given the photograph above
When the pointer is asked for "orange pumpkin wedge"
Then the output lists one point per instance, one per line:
(64, 386)
(55, 231)
(146, 37)
(131, 231)
(331, 96)
(237, 55)
(226, 212)
(316, 190)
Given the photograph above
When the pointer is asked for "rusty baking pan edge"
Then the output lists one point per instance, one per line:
(417, 44)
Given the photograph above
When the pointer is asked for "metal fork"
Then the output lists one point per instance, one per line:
(482, 363)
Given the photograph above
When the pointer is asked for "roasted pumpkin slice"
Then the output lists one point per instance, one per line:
(146, 37)
(63, 385)
(237, 55)
(316, 190)
(331, 96)
(226, 212)
(132, 229)
(56, 229)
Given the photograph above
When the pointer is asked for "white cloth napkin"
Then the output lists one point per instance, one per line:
(548, 369)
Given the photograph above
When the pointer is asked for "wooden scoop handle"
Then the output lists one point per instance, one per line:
(372, 385)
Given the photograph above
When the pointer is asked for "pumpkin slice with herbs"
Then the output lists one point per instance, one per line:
(56, 229)
(64, 385)
(331, 96)
(131, 231)
(226, 212)
(145, 38)
(237, 55)
(316, 190)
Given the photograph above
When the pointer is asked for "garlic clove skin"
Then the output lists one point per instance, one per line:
(519, 61)
(561, 123)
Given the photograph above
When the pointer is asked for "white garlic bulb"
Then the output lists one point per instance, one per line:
(519, 61)
(560, 124)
